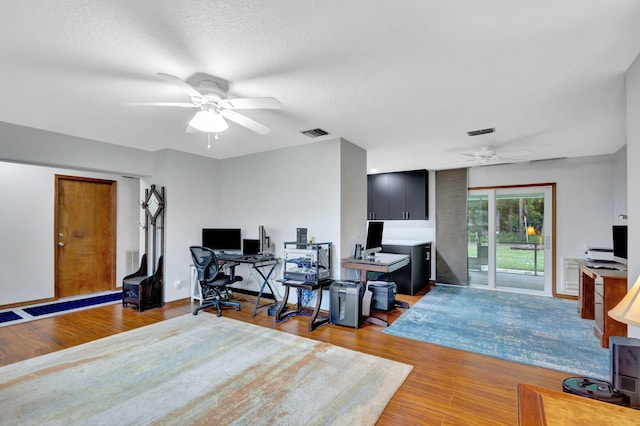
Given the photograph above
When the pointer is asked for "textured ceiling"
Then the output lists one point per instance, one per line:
(404, 80)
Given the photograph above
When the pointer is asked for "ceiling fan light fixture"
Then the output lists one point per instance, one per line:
(208, 121)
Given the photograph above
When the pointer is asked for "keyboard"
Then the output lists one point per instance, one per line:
(602, 265)
(229, 256)
(245, 257)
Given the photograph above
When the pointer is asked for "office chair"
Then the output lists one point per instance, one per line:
(213, 282)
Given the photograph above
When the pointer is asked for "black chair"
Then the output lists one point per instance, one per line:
(213, 282)
(144, 291)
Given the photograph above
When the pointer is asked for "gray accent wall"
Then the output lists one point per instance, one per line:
(451, 226)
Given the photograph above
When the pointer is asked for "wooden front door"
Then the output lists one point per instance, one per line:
(85, 235)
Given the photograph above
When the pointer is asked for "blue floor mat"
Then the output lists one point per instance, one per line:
(535, 330)
(72, 304)
(9, 316)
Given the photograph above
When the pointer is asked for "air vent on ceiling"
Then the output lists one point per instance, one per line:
(481, 131)
(314, 133)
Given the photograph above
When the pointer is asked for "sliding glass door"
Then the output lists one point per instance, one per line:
(509, 239)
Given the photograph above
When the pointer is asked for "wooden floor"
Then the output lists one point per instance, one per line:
(446, 386)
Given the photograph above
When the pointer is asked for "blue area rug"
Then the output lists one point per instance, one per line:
(9, 316)
(535, 330)
(72, 304)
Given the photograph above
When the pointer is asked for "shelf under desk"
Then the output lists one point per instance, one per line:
(314, 322)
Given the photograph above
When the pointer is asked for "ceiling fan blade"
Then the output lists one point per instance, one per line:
(250, 103)
(180, 83)
(245, 121)
(172, 104)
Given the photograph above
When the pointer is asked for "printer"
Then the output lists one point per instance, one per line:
(599, 254)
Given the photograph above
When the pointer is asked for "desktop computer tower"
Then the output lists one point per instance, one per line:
(346, 303)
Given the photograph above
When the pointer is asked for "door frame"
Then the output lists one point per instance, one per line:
(550, 241)
(113, 225)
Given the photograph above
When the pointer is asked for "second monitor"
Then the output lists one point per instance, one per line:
(374, 238)
(250, 247)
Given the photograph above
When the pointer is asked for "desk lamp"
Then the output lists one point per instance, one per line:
(628, 310)
(624, 353)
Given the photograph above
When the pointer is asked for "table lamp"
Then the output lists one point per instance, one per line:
(628, 310)
(624, 353)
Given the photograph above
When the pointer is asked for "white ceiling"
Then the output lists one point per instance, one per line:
(404, 80)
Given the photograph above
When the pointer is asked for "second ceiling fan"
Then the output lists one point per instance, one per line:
(214, 106)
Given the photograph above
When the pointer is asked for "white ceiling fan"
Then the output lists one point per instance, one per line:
(214, 106)
(486, 155)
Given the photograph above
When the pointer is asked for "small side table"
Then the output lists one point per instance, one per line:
(314, 322)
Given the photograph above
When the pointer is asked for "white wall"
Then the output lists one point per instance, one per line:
(33, 146)
(192, 191)
(295, 187)
(584, 198)
(353, 199)
(319, 186)
(620, 186)
(633, 175)
(27, 228)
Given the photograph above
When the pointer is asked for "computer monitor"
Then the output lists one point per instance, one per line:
(250, 247)
(222, 239)
(265, 243)
(374, 238)
(620, 243)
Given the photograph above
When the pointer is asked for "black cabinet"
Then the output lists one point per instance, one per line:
(398, 196)
(413, 277)
(377, 196)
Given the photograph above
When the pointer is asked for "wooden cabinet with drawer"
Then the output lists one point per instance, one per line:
(600, 291)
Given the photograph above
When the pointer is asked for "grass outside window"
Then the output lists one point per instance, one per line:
(510, 257)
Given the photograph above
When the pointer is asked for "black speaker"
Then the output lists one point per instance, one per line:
(624, 365)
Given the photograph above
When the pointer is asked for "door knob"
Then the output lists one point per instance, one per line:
(61, 244)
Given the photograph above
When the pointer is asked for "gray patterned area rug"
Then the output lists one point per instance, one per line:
(535, 330)
(199, 370)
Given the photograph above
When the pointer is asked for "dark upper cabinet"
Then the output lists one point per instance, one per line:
(398, 196)
(377, 196)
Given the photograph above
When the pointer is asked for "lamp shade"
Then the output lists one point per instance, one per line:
(628, 310)
(208, 121)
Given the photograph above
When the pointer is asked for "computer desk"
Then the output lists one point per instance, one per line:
(264, 266)
(381, 262)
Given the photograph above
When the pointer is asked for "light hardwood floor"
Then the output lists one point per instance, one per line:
(446, 386)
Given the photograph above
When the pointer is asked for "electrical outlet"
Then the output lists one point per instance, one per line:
(178, 284)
